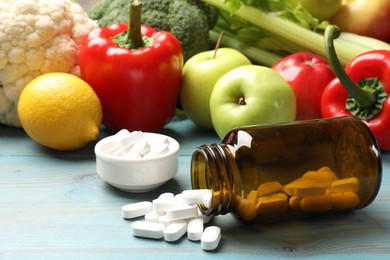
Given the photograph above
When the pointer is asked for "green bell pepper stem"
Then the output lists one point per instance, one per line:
(133, 38)
(365, 97)
(134, 30)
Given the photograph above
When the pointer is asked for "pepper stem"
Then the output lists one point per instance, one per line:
(132, 38)
(365, 97)
(134, 30)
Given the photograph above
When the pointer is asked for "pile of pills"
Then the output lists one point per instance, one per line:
(136, 145)
(170, 217)
(314, 191)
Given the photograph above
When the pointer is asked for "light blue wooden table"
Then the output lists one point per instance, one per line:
(53, 205)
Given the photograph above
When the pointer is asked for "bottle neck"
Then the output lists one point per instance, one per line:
(213, 167)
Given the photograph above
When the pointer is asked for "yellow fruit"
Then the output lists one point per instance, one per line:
(60, 111)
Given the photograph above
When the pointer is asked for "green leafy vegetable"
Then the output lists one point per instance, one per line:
(277, 27)
(189, 20)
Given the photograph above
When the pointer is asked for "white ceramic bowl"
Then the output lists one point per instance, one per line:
(137, 175)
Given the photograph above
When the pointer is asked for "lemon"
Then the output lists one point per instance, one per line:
(60, 111)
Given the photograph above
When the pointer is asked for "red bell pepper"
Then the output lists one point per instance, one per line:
(307, 74)
(136, 73)
(361, 90)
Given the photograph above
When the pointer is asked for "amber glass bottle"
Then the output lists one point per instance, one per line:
(276, 172)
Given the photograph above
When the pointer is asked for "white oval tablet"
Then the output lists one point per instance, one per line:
(195, 229)
(195, 196)
(183, 212)
(175, 230)
(137, 209)
(162, 205)
(147, 229)
(110, 147)
(156, 150)
(141, 147)
(153, 216)
(210, 238)
(166, 195)
(126, 140)
(164, 220)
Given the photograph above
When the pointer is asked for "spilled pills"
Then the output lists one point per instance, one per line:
(136, 209)
(210, 238)
(170, 217)
(148, 230)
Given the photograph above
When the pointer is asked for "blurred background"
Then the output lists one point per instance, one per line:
(87, 4)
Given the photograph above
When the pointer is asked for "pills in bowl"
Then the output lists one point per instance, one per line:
(136, 145)
(137, 161)
(170, 217)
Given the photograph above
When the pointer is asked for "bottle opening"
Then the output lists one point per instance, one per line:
(211, 169)
(201, 174)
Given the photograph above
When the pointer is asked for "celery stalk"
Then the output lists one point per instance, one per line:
(294, 37)
(255, 54)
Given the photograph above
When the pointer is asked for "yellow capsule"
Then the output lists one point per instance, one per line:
(272, 204)
(295, 203)
(302, 188)
(328, 170)
(323, 175)
(289, 188)
(252, 196)
(246, 210)
(345, 185)
(269, 188)
(346, 200)
(316, 203)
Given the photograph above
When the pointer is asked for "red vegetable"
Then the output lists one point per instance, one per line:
(136, 78)
(361, 90)
(307, 74)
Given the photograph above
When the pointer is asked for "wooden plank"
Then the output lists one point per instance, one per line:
(52, 204)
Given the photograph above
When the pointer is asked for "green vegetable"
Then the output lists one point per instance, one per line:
(189, 20)
(280, 28)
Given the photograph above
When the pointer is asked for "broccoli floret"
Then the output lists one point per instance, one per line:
(189, 20)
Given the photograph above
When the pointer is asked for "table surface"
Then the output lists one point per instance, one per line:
(53, 205)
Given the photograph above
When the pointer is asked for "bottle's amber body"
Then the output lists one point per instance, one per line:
(275, 172)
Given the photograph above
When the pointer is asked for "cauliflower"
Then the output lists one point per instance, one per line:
(37, 37)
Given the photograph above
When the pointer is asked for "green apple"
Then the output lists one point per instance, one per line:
(200, 73)
(251, 95)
